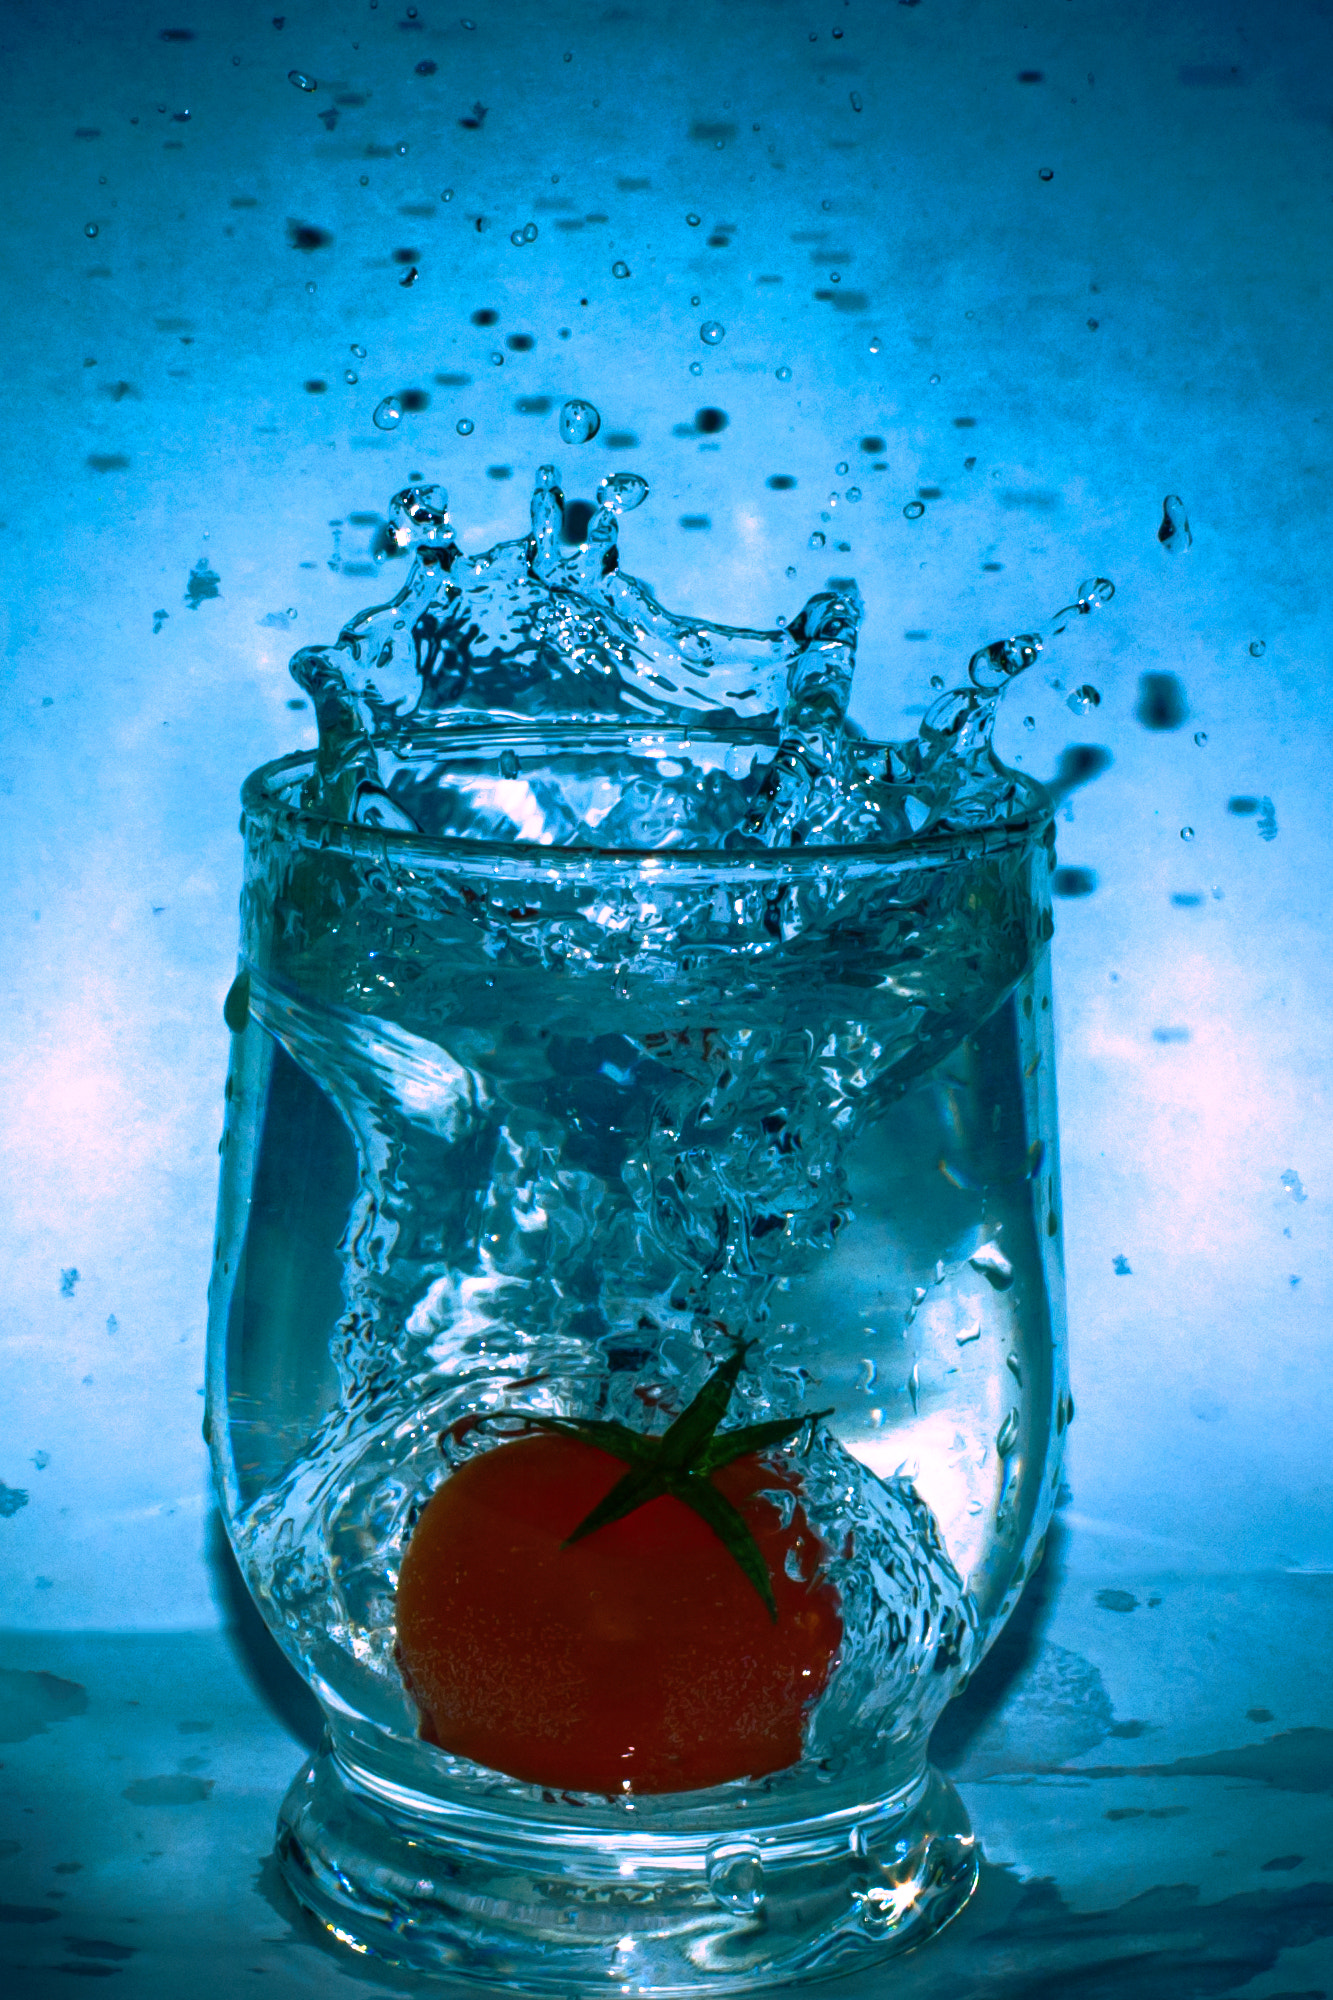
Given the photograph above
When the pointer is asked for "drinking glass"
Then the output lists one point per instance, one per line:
(531, 1134)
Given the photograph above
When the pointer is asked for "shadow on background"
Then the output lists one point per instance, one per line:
(271, 1676)
(1014, 1651)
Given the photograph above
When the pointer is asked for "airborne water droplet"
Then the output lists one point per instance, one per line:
(876, 345)
(358, 351)
(696, 368)
(1187, 833)
(1174, 533)
(816, 540)
(853, 494)
(388, 414)
(1257, 649)
(351, 377)
(711, 332)
(622, 492)
(783, 374)
(620, 269)
(465, 427)
(529, 232)
(914, 510)
(1083, 699)
(693, 219)
(1201, 737)
(579, 421)
(301, 80)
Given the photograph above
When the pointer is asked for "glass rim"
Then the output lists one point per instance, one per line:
(262, 801)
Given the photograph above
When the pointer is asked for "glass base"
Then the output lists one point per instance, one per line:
(545, 1907)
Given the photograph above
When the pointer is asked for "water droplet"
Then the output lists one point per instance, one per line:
(1084, 698)
(1174, 533)
(409, 277)
(350, 377)
(869, 1370)
(816, 540)
(1293, 1183)
(693, 219)
(358, 351)
(1007, 1435)
(937, 682)
(301, 80)
(854, 99)
(529, 232)
(1187, 833)
(1201, 737)
(310, 285)
(465, 427)
(1257, 649)
(841, 467)
(516, 236)
(388, 414)
(790, 571)
(696, 368)
(876, 345)
(968, 1335)
(1015, 1367)
(853, 494)
(579, 421)
(914, 510)
(736, 1876)
(1045, 174)
(914, 1385)
(711, 332)
(1029, 722)
(993, 1265)
(447, 194)
(508, 764)
(694, 299)
(497, 358)
(401, 148)
(783, 374)
(365, 180)
(622, 492)
(90, 229)
(934, 381)
(620, 269)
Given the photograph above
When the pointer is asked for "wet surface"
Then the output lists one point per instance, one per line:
(136, 1820)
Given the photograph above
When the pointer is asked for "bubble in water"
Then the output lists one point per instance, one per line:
(693, 219)
(783, 374)
(388, 414)
(736, 1876)
(301, 80)
(622, 492)
(579, 421)
(1201, 737)
(1187, 833)
(1174, 533)
(358, 351)
(620, 269)
(1084, 698)
(1257, 649)
(816, 540)
(90, 229)
(914, 510)
(465, 427)
(711, 332)
(350, 377)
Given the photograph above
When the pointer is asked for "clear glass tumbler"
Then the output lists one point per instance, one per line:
(549, 1167)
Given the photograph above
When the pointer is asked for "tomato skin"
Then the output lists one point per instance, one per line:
(640, 1653)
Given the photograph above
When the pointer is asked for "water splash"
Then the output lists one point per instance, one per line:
(532, 630)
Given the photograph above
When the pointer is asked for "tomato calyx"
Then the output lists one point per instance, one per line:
(679, 1460)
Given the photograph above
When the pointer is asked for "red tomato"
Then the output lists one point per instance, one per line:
(641, 1653)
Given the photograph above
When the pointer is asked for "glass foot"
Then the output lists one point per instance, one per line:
(546, 1906)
